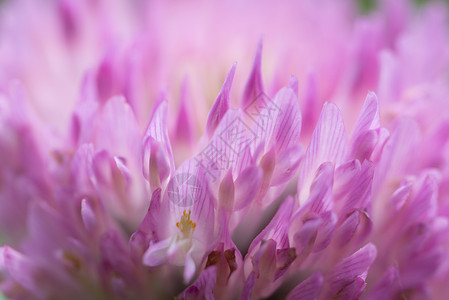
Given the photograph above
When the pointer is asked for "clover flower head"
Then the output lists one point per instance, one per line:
(138, 161)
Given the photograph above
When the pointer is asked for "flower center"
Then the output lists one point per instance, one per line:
(186, 225)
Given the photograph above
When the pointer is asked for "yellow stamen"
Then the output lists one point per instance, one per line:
(186, 225)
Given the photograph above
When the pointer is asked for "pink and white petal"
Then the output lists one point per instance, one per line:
(423, 206)
(157, 253)
(304, 239)
(398, 154)
(277, 228)
(328, 144)
(278, 122)
(117, 131)
(189, 266)
(188, 190)
(321, 198)
(364, 145)
(247, 186)
(351, 269)
(287, 164)
(359, 192)
(287, 129)
(326, 231)
(369, 118)
(221, 104)
(158, 130)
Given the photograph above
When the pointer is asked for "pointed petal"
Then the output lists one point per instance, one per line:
(185, 124)
(20, 268)
(326, 231)
(147, 230)
(398, 154)
(293, 84)
(88, 215)
(277, 229)
(328, 144)
(369, 117)
(117, 130)
(356, 194)
(304, 239)
(231, 138)
(278, 122)
(221, 104)
(157, 130)
(424, 205)
(254, 86)
(364, 145)
(158, 168)
(357, 225)
(351, 270)
(321, 199)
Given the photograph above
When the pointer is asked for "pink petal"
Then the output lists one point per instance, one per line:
(231, 138)
(278, 122)
(203, 287)
(309, 289)
(321, 199)
(157, 253)
(226, 193)
(88, 216)
(357, 226)
(287, 164)
(358, 191)
(249, 287)
(326, 231)
(277, 228)
(221, 104)
(383, 289)
(189, 267)
(117, 130)
(369, 117)
(310, 103)
(328, 144)
(304, 239)
(185, 130)
(364, 145)
(254, 86)
(293, 84)
(398, 154)
(247, 186)
(158, 131)
(351, 271)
